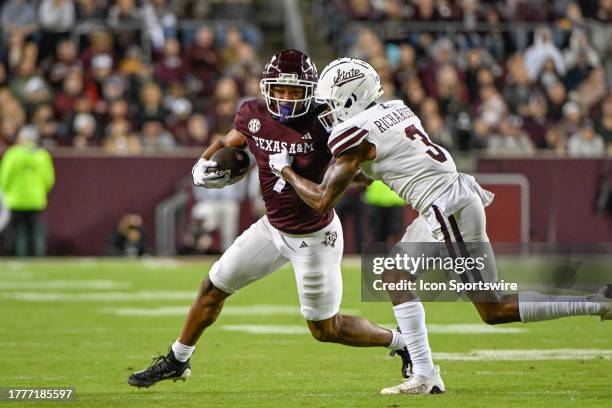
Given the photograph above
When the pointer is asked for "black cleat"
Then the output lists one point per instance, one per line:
(162, 368)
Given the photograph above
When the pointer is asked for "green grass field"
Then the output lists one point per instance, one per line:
(88, 324)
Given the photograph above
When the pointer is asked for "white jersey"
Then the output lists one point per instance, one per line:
(418, 170)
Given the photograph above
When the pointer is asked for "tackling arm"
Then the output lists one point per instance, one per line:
(323, 197)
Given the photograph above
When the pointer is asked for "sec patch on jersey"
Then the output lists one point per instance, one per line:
(235, 160)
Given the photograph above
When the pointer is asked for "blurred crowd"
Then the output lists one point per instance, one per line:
(124, 75)
(506, 90)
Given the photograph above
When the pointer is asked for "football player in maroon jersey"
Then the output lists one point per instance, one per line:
(291, 231)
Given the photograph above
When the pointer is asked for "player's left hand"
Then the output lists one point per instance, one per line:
(279, 161)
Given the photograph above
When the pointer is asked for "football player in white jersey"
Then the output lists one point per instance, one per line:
(387, 142)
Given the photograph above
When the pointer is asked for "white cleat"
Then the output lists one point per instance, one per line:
(418, 384)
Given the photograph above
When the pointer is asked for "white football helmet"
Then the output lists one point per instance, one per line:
(347, 86)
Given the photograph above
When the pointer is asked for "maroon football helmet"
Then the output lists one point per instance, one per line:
(292, 68)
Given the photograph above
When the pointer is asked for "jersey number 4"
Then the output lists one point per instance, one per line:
(433, 150)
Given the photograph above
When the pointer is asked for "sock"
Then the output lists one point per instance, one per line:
(181, 351)
(411, 320)
(535, 307)
(397, 342)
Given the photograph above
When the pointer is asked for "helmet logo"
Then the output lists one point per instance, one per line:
(254, 125)
(342, 77)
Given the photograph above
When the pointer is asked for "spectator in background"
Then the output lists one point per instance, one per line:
(176, 122)
(123, 12)
(542, 50)
(492, 107)
(26, 178)
(591, 90)
(160, 22)
(150, 107)
(126, 19)
(65, 62)
(510, 139)
(12, 117)
(232, 46)
(203, 59)
(120, 139)
(91, 9)
(556, 96)
(413, 92)
(517, 88)
(170, 67)
(452, 94)
(46, 126)
(18, 20)
(367, 46)
(246, 63)
(198, 131)
(154, 138)
(197, 240)
(586, 143)
(443, 56)
(101, 69)
(25, 72)
(556, 140)
(35, 92)
(101, 43)
(72, 89)
(536, 124)
(603, 123)
(129, 238)
(84, 131)
(572, 117)
(224, 105)
(56, 18)
(580, 50)
(406, 68)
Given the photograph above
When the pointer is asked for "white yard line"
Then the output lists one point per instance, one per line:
(63, 284)
(526, 355)
(433, 328)
(252, 310)
(99, 296)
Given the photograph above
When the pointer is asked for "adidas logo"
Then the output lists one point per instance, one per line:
(303, 245)
(307, 136)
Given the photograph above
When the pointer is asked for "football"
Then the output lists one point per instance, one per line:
(233, 159)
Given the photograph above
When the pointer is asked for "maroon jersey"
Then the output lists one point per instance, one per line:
(306, 141)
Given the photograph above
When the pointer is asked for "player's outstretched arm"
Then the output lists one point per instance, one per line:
(323, 197)
(203, 172)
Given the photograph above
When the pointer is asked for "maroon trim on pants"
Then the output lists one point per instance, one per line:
(455, 229)
(463, 248)
(447, 238)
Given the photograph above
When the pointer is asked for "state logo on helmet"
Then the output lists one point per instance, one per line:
(347, 86)
(289, 68)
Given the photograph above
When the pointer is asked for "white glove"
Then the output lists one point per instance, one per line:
(205, 175)
(279, 161)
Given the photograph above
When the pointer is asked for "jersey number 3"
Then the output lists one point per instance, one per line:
(433, 150)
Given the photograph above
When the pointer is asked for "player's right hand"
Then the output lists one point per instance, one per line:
(205, 175)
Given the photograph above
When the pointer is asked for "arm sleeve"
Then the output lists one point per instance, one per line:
(344, 139)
